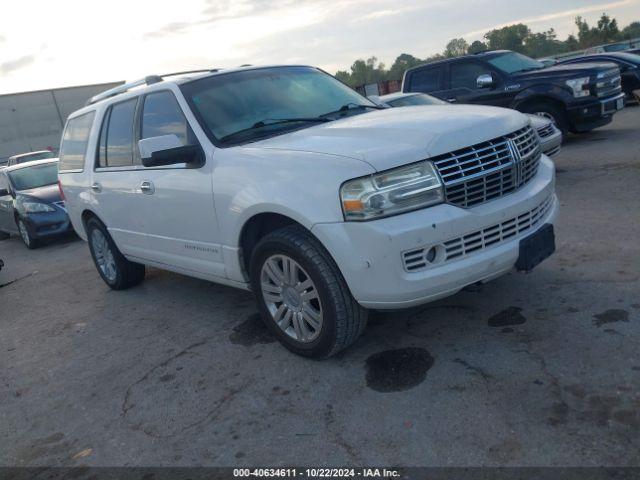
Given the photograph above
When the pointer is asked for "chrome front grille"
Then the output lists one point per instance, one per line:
(609, 85)
(489, 170)
(546, 131)
(418, 259)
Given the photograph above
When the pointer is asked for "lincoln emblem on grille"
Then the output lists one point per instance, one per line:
(517, 164)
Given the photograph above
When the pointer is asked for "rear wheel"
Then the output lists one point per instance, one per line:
(4, 235)
(302, 296)
(27, 239)
(551, 112)
(116, 271)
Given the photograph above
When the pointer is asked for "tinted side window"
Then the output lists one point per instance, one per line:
(426, 80)
(116, 139)
(74, 142)
(161, 115)
(465, 74)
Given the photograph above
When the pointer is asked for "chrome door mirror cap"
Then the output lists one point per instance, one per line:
(485, 81)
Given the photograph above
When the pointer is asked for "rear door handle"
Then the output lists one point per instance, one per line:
(147, 188)
(96, 187)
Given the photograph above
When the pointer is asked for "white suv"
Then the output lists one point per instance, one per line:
(284, 181)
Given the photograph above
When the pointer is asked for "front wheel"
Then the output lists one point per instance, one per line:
(551, 112)
(116, 271)
(27, 239)
(302, 295)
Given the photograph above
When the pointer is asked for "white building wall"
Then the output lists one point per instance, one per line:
(34, 120)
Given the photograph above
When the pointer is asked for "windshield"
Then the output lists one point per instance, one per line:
(252, 101)
(415, 100)
(514, 62)
(34, 177)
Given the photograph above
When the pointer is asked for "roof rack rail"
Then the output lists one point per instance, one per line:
(148, 80)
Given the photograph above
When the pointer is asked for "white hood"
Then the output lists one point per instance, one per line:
(397, 136)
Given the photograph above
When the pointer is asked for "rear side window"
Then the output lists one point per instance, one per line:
(116, 135)
(426, 80)
(465, 74)
(75, 141)
(161, 115)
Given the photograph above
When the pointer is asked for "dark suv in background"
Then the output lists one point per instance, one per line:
(577, 97)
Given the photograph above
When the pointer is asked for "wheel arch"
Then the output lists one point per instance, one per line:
(85, 216)
(255, 228)
(522, 103)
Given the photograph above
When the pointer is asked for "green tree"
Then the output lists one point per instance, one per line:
(476, 47)
(542, 44)
(631, 31)
(606, 31)
(343, 76)
(402, 63)
(367, 71)
(455, 48)
(511, 37)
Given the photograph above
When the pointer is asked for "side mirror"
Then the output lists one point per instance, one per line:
(4, 192)
(485, 81)
(167, 150)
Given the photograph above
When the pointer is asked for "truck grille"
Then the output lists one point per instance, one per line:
(547, 130)
(609, 84)
(489, 170)
(418, 259)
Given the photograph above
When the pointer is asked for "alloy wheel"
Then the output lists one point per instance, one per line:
(291, 298)
(24, 233)
(103, 254)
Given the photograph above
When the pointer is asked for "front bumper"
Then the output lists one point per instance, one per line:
(47, 224)
(370, 254)
(594, 113)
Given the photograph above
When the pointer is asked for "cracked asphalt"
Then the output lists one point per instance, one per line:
(538, 369)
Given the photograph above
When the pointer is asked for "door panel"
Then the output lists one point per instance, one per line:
(7, 223)
(179, 213)
(463, 87)
(115, 187)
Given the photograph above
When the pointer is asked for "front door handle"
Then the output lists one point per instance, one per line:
(147, 188)
(96, 187)
(451, 100)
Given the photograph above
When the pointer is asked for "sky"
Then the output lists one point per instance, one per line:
(58, 43)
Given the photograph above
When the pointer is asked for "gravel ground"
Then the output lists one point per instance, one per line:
(537, 369)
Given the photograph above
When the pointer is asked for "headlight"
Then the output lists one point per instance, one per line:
(35, 207)
(391, 192)
(579, 86)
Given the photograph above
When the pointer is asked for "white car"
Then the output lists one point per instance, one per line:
(283, 181)
(550, 135)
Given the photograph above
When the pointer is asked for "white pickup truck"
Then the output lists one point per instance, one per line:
(283, 181)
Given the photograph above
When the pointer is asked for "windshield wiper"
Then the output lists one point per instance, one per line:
(273, 121)
(353, 106)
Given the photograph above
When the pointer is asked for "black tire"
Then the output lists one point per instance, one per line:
(127, 274)
(30, 242)
(552, 112)
(343, 319)
(4, 235)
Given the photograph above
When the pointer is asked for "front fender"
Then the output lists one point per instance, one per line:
(540, 92)
(303, 186)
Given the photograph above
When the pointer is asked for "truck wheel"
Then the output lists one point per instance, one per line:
(116, 271)
(27, 239)
(551, 112)
(302, 296)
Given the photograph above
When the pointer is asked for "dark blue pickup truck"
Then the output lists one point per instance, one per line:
(577, 97)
